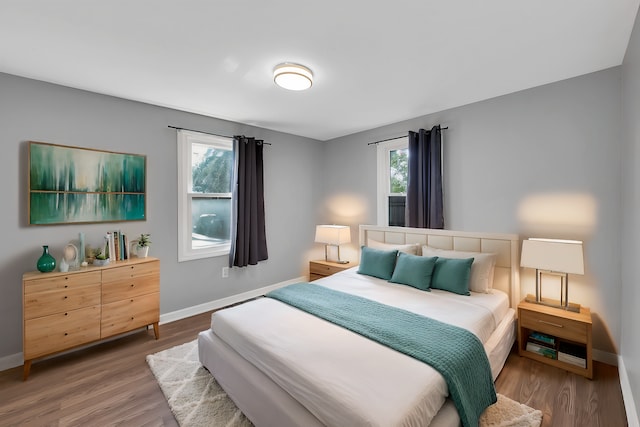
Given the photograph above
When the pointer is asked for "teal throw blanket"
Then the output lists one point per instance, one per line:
(456, 353)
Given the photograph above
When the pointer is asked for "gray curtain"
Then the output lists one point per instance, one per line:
(248, 236)
(424, 187)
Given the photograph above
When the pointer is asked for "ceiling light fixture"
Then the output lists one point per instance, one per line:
(292, 76)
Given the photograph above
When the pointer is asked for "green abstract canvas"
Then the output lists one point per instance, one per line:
(80, 185)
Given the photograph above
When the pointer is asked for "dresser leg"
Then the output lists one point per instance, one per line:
(156, 330)
(26, 369)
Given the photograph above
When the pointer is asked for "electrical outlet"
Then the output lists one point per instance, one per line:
(225, 272)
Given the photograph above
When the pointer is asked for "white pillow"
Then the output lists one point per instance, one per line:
(411, 249)
(481, 270)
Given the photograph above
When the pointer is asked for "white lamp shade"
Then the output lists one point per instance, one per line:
(333, 234)
(563, 256)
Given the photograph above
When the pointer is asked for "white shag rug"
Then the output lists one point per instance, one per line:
(196, 399)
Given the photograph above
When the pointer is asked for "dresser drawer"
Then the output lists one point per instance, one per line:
(38, 304)
(132, 313)
(57, 332)
(62, 281)
(554, 325)
(130, 287)
(130, 271)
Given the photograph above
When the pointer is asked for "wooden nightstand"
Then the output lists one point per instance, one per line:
(566, 327)
(321, 268)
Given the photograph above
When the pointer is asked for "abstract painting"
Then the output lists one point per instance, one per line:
(82, 185)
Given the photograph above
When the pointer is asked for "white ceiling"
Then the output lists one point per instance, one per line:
(375, 62)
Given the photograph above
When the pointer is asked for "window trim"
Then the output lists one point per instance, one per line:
(384, 167)
(185, 196)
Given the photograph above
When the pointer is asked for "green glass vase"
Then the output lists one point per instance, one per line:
(46, 262)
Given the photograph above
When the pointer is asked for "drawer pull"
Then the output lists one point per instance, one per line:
(551, 323)
(66, 286)
(132, 285)
(66, 314)
(65, 334)
(65, 297)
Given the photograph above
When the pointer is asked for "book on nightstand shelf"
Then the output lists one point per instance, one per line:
(572, 353)
(543, 339)
(542, 344)
(542, 350)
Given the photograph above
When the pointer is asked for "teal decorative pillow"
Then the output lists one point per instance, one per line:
(452, 275)
(414, 270)
(377, 263)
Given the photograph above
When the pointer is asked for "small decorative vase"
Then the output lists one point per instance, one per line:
(46, 262)
(82, 255)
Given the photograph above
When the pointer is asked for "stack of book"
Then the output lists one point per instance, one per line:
(116, 246)
(574, 354)
(544, 345)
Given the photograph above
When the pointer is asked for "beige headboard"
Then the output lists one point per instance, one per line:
(506, 246)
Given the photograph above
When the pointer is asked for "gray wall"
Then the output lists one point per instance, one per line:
(542, 162)
(630, 347)
(37, 111)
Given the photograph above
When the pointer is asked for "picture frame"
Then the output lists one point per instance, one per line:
(72, 185)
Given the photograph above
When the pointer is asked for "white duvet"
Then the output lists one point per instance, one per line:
(345, 379)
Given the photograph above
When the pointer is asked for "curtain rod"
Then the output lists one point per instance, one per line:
(210, 133)
(397, 137)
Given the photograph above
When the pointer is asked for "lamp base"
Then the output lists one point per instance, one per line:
(326, 255)
(549, 302)
(336, 261)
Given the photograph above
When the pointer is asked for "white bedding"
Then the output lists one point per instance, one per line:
(343, 378)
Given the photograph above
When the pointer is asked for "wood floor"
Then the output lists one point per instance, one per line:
(110, 385)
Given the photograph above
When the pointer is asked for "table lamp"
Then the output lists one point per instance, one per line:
(557, 258)
(333, 235)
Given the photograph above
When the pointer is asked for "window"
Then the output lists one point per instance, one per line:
(205, 168)
(392, 181)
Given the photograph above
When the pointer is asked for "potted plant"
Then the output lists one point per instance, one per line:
(142, 247)
(100, 258)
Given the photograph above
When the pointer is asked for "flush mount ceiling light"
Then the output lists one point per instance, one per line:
(292, 76)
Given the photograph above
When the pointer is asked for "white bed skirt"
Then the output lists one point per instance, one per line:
(268, 405)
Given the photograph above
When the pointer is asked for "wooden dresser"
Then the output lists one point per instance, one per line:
(66, 310)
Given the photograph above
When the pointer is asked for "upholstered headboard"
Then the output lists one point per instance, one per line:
(505, 246)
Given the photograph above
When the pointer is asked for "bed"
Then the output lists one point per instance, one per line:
(285, 367)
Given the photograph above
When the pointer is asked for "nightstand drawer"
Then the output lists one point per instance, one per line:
(323, 269)
(554, 325)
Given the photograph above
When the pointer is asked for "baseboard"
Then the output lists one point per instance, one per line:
(11, 361)
(605, 357)
(627, 395)
(224, 302)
